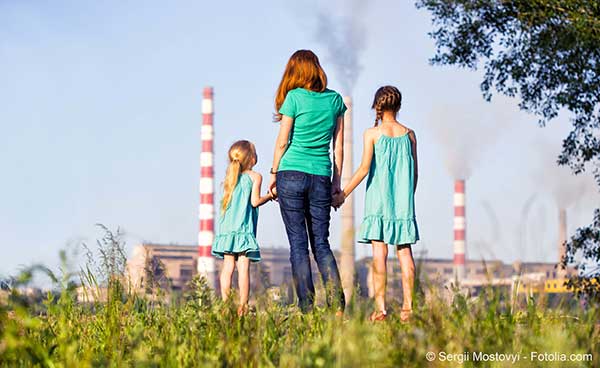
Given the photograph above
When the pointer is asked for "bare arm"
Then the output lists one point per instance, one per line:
(413, 141)
(365, 165)
(255, 197)
(281, 145)
(338, 155)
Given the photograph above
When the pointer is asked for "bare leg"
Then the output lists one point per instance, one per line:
(407, 265)
(243, 282)
(380, 253)
(226, 274)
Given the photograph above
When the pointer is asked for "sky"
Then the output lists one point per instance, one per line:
(101, 114)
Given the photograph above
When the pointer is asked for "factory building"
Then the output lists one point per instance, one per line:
(171, 267)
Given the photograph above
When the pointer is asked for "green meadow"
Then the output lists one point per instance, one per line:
(195, 328)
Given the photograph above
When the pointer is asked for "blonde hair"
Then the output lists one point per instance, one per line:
(242, 156)
(387, 98)
(302, 70)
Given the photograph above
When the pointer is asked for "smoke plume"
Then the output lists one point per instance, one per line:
(466, 130)
(559, 181)
(342, 32)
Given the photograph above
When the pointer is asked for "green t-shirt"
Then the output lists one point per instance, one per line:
(315, 117)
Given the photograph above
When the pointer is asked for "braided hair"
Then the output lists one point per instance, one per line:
(387, 98)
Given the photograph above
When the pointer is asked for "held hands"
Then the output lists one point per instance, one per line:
(273, 187)
(338, 200)
(337, 197)
(337, 194)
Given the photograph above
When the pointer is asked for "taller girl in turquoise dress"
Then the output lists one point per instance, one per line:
(236, 236)
(390, 202)
(390, 160)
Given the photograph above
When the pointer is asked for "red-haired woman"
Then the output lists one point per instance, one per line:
(311, 117)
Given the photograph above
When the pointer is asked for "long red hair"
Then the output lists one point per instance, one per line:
(303, 70)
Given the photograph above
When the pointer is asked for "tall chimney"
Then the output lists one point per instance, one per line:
(460, 228)
(347, 210)
(206, 234)
(562, 240)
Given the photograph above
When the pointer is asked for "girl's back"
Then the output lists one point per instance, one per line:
(240, 216)
(238, 223)
(389, 201)
(390, 129)
(239, 206)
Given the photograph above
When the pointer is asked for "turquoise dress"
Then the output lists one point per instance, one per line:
(237, 225)
(389, 202)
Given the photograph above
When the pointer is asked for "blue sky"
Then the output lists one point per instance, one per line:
(101, 113)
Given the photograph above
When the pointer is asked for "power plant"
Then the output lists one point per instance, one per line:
(175, 265)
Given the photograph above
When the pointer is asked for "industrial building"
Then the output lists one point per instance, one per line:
(171, 267)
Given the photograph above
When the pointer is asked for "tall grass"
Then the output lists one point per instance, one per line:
(128, 329)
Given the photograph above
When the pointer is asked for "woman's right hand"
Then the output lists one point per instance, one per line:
(273, 186)
(338, 200)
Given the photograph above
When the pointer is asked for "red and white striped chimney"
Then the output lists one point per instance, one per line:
(206, 233)
(460, 227)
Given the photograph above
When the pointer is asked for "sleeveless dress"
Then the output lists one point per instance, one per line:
(237, 225)
(389, 202)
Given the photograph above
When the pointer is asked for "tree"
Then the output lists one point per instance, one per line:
(546, 53)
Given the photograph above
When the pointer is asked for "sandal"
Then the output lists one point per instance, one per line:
(405, 315)
(378, 316)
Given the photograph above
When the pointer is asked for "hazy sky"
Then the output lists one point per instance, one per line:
(101, 114)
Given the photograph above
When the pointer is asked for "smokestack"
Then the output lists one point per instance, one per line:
(347, 258)
(562, 240)
(206, 234)
(460, 228)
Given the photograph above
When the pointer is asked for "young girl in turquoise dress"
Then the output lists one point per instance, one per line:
(236, 238)
(390, 160)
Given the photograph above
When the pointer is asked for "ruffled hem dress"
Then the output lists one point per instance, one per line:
(389, 201)
(237, 225)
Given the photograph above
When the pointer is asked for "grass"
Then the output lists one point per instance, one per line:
(199, 330)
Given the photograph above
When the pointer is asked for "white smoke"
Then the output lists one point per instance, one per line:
(466, 130)
(339, 27)
(565, 187)
(341, 30)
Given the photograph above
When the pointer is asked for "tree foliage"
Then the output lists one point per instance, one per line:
(546, 53)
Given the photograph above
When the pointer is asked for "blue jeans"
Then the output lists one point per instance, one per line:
(305, 204)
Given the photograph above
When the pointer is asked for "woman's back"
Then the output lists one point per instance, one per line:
(315, 116)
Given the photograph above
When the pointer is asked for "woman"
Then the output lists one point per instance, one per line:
(310, 117)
